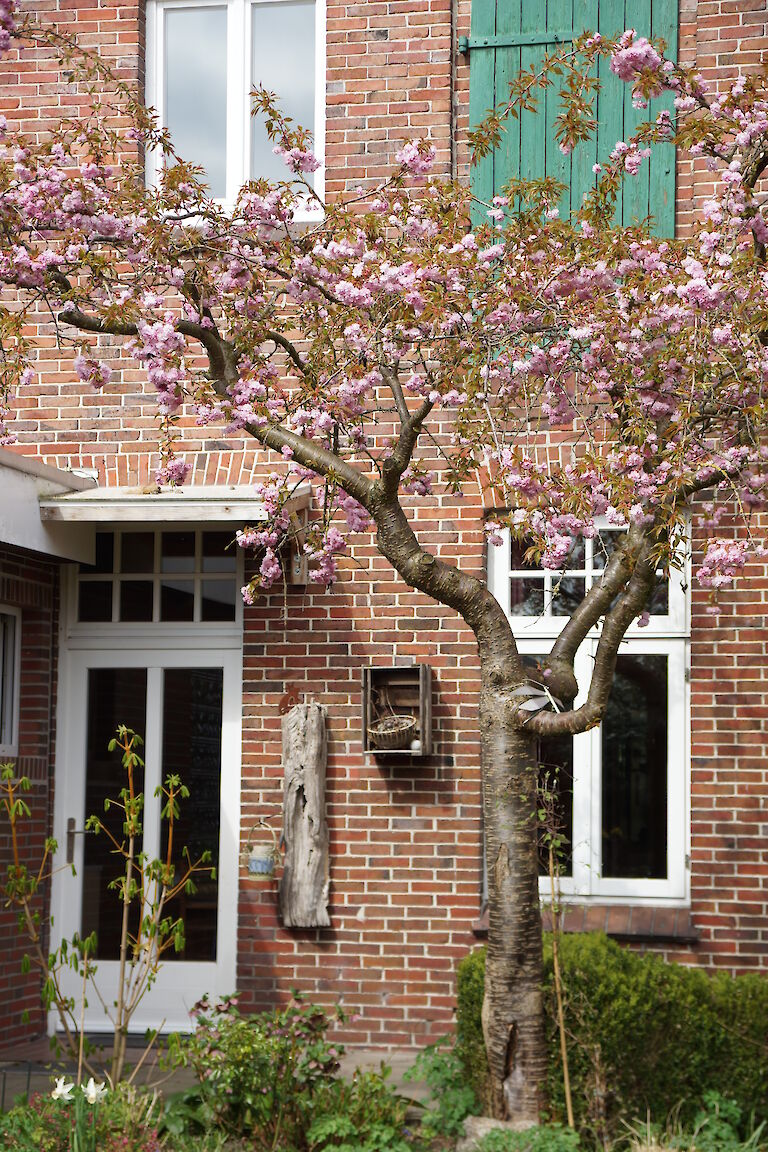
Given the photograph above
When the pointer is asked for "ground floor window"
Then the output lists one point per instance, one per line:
(621, 788)
(620, 792)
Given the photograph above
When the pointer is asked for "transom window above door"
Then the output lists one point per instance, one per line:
(203, 60)
(160, 576)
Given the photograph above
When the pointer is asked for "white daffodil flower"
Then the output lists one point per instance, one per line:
(94, 1092)
(62, 1091)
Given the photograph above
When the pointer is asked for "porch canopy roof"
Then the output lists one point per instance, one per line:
(24, 481)
(192, 503)
(57, 512)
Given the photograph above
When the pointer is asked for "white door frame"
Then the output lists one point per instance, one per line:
(179, 983)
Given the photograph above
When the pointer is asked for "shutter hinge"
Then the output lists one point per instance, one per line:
(513, 40)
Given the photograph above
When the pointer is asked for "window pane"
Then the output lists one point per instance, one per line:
(136, 598)
(104, 559)
(577, 555)
(137, 552)
(282, 61)
(177, 600)
(7, 676)
(178, 552)
(218, 600)
(604, 545)
(634, 770)
(115, 696)
(526, 596)
(94, 601)
(219, 552)
(196, 89)
(567, 593)
(658, 604)
(517, 561)
(192, 702)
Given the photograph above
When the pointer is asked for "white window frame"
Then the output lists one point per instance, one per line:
(239, 13)
(11, 747)
(666, 635)
(213, 630)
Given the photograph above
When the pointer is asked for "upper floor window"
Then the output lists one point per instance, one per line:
(203, 60)
(10, 656)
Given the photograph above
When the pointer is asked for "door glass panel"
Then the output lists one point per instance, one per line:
(283, 61)
(634, 771)
(196, 89)
(103, 560)
(555, 759)
(527, 596)
(192, 709)
(8, 646)
(115, 696)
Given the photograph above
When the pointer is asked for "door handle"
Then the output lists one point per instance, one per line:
(72, 831)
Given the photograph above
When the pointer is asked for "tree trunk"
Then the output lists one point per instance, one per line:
(513, 1021)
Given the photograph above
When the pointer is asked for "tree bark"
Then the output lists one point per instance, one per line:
(513, 1020)
(305, 882)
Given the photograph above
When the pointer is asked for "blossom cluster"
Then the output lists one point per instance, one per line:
(581, 370)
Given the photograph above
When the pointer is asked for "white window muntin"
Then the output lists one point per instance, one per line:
(90, 631)
(500, 575)
(238, 134)
(10, 677)
(586, 879)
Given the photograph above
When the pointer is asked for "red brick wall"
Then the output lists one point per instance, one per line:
(31, 584)
(405, 839)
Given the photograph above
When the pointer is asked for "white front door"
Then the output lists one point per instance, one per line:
(186, 705)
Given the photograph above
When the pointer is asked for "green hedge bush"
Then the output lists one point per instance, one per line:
(645, 1036)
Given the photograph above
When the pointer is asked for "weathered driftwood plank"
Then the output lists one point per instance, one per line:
(303, 893)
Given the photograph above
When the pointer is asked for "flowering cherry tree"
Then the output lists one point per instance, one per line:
(389, 350)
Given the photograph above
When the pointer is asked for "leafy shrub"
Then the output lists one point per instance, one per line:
(257, 1075)
(543, 1138)
(645, 1036)
(361, 1115)
(451, 1098)
(273, 1081)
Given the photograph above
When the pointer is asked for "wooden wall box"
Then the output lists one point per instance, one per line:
(392, 695)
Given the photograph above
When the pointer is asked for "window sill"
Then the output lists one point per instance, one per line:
(624, 922)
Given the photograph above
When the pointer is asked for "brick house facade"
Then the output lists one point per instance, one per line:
(406, 835)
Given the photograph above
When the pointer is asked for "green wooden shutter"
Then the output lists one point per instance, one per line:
(507, 35)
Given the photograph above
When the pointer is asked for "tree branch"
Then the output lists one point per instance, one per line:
(410, 426)
(595, 605)
(448, 585)
(629, 605)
